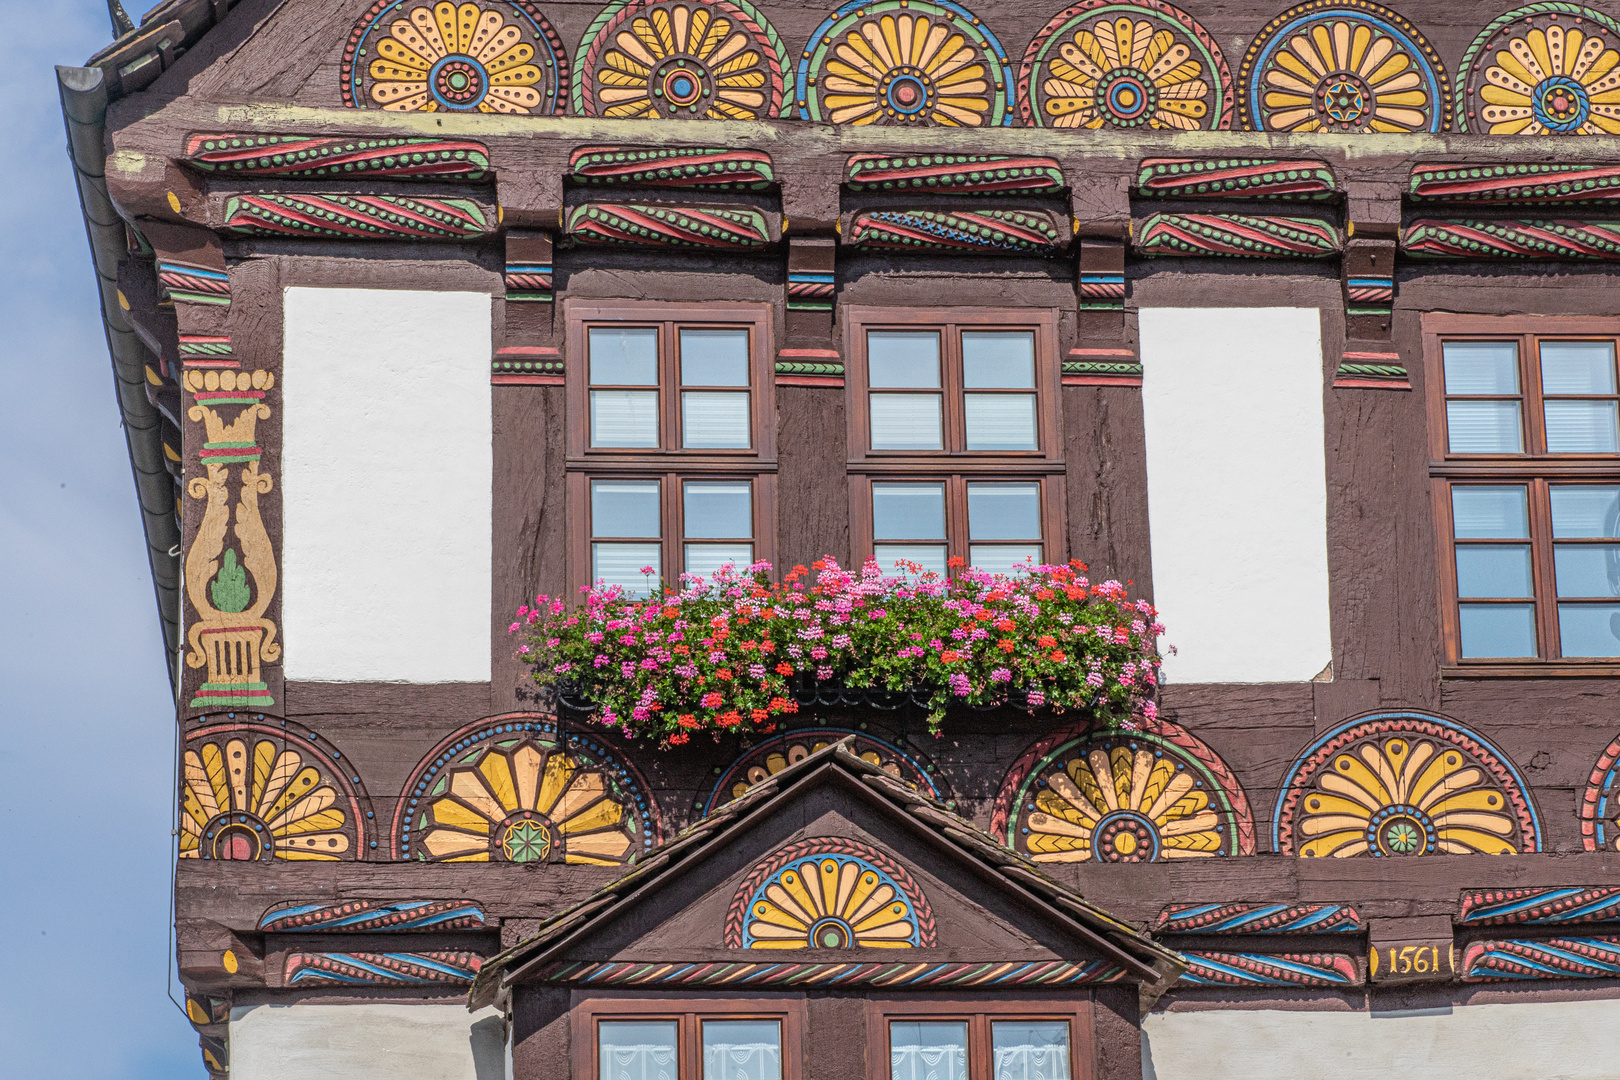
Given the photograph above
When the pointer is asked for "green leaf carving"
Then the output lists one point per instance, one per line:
(229, 589)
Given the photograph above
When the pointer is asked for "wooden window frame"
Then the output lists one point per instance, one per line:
(668, 463)
(979, 1012)
(587, 1010)
(951, 322)
(1534, 469)
(1054, 536)
(670, 318)
(672, 513)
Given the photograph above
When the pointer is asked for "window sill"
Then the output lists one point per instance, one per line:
(1533, 669)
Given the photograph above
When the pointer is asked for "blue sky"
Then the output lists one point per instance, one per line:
(86, 755)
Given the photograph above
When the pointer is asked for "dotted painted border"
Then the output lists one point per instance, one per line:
(914, 767)
(1465, 69)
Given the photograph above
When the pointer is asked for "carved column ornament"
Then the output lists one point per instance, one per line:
(1102, 357)
(527, 353)
(811, 357)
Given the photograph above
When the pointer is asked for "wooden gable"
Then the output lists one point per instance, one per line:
(834, 875)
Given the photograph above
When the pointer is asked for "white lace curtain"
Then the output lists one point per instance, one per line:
(639, 1050)
(927, 1050)
(1025, 1050)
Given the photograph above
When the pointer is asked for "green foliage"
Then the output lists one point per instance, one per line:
(229, 589)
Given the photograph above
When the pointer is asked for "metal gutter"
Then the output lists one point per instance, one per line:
(85, 96)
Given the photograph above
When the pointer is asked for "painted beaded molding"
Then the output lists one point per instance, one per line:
(693, 60)
(1531, 183)
(829, 893)
(1009, 232)
(1105, 64)
(1513, 239)
(675, 167)
(1398, 785)
(1238, 236)
(497, 56)
(299, 158)
(1240, 178)
(903, 63)
(1343, 67)
(356, 217)
(1542, 69)
(953, 173)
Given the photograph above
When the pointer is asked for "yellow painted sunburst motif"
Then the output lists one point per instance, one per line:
(248, 803)
(1123, 73)
(1118, 804)
(682, 61)
(1405, 797)
(524, 803)
(830, 902)
(1345, 76)
(906, 69)
(455, 58)
(1555, 81)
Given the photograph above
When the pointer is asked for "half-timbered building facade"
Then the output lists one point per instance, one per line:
(1300, 323)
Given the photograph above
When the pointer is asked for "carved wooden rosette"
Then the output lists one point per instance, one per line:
(1145, 64)
(1401, 785)
(1542, 69)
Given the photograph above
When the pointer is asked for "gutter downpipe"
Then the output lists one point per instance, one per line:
(84, 110)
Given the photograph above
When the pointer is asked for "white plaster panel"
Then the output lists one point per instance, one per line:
(387, 467)
(1237, 491)
(1567, 1040)
(367, 1042)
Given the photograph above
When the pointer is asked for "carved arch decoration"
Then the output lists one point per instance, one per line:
(1600, 802)
(900, 63)
(506, 789)
(1150, 795)
(1543, 69)
(264, 788)
(1346, 67)
(829, 893)
(493, 56)
(1404, 784)
(772, 755)
(681, 59)
(1108, 64)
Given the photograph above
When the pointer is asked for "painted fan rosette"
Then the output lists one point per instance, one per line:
(902, 63)
(1147, 64)
(1542, 69)
(693, 60)
(1343, 67)
(496, 56)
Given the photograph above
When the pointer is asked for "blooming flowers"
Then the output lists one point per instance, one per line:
(1060, 642)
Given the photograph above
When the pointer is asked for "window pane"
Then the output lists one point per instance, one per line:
(719, 509)
(1577, 367)
(622, 565)
(1585, 510)
(903, 358)
(906, 422)
(624, 418)
(931, 557)
(1484, 427)
(998, 360)
(908, 511)
(1589, 629)
(1004, 511)
(1004, 558)
(1000, 421)
(705, 559)
(928, 1050)
(714, 357)
(1482, 367)
(1587, 569)
(624, 508)
(1494, 570)
(718, 420)
(638, 1049)
(1498, 630)
(627, 357)
(1030, 1049)
(1582, 427)
(1489, 513)
(742, 1050)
